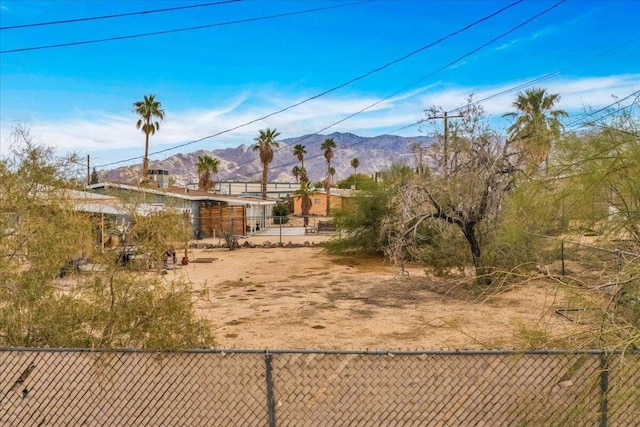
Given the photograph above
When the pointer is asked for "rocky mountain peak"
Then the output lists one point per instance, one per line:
(241, 163)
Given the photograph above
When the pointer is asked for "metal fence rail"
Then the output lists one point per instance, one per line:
(317, 388)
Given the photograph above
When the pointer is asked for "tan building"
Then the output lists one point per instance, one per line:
(340, 201)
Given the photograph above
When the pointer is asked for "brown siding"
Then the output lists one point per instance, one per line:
(218, 219)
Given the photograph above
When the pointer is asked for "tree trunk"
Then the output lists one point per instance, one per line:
(145, 161)
(306, 205)
(265, 172)
(476, 254)
(328, 201)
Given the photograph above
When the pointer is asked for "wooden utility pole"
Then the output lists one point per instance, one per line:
(88, 171)
(445, 116)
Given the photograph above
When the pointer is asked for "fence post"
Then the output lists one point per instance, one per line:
(604, 389)
(618, 256)
(562, 254)
(271, 407)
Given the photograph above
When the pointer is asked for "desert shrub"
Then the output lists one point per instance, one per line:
(280, 213)
(360, 226)
(360, 181)
(41, 232)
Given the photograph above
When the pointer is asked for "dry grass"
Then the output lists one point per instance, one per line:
(303, 298)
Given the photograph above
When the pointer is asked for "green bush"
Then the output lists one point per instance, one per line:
(280, 213)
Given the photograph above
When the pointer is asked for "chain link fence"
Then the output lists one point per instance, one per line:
(45, 387)
(612, 269)
(566, 257)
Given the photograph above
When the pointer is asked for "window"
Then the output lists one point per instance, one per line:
(316, 201)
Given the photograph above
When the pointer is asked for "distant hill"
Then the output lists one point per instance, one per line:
(242, 163)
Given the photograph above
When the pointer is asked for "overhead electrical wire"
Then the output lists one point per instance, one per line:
(119, 15)
(178, 30)
(569, 125)
(577, 121)
(360, 77)
(605, 108)
(438, 70)
(482, 46)
(547, 76)
(527, 84)
(606, 150)
(513, 89)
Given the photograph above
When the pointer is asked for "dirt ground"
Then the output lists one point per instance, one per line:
(302, 298)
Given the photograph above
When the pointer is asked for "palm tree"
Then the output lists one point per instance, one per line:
(354, 164)
(299, 151)
(332, 172)
(148, 109)
(206, 166)
(327, 147)
(536, 123)
(303, 175)
(305, 192)
(296, 172)
(265, 142)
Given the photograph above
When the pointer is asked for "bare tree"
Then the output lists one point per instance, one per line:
(479, 175)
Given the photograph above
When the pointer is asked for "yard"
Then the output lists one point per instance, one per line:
(293, 298)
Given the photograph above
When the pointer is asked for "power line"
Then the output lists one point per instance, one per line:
(178, 30)
(529, 83)
(579, 121)
(570, 127)
(566, 132)
(435, 72)
(548, 76)
(493, 40)
(360, 77)
(616, 102)
(120, 15)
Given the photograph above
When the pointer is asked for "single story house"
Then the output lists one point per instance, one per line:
(209, 213)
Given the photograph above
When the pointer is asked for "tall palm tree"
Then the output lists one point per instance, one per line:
(332, 172)
(304, 177)
(305, 192)
(354, 164)
(207, 166)
(328, 145)
(265, 142)
(148, 109)
(299, 151)
(296, 172)
(536, 123)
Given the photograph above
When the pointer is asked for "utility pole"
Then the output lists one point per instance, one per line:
(88, 171)
(445, 116)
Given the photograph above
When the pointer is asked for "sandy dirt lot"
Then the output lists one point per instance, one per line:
(302, 298)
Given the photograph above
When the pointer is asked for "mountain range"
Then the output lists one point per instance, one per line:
(374, 154)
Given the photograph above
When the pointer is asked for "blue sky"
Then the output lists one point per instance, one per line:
(79, 98)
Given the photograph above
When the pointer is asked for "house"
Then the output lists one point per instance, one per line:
(111, 215)
(340, 200)
(209, 214)
(108, 213)
(275, 190)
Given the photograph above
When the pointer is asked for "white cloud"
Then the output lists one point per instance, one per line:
(100, 132)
